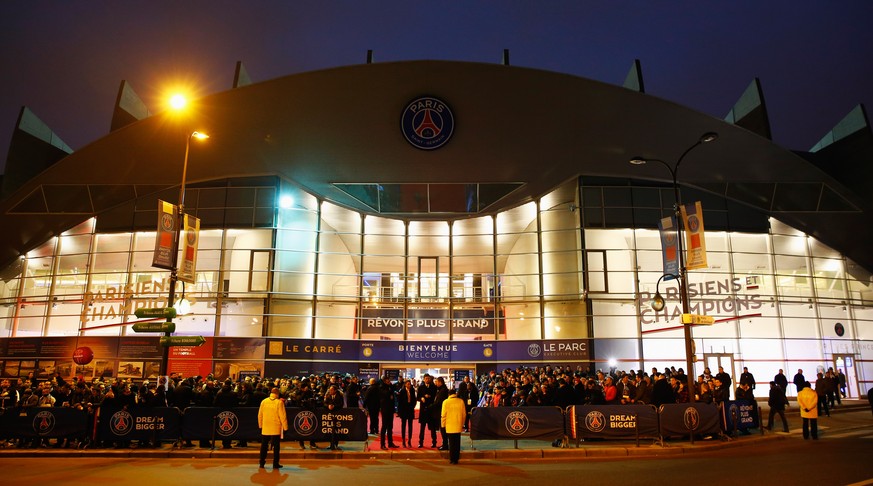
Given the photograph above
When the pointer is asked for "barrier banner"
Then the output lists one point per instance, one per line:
(537, 423)
(681, 419)
(742, 413)
(49, 422)
(612, 421)
(349, 424)
(138, 423)
(237, 423)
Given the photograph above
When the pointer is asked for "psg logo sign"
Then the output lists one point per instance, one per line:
(595, 421)
(305, 423)
(121, 423)
(691, 418)
(517, 423)
(228, 423)
(427, 123)
(44, 423)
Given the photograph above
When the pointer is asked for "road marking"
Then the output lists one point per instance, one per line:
(851, 433)
(862, 483)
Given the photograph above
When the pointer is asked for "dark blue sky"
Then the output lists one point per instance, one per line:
(65, 59)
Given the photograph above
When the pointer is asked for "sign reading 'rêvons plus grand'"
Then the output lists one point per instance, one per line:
(427, 321)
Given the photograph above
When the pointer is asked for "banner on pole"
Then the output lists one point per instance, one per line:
(692, 219)
(669, 246)
(166, 237)
(191, 240)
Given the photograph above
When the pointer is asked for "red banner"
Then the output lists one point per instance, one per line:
(692, 218)
(190, 240)
(165, 239)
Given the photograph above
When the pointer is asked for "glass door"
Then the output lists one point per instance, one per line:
(725, 360)
(845, 364)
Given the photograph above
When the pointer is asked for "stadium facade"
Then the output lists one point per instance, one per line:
(442, 216)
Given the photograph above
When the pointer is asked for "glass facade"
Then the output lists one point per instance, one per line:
(581, 262)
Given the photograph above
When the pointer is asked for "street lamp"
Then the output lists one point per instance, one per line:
(180, 211)
(658, 301)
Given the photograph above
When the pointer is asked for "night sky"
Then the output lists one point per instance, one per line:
(65, 59)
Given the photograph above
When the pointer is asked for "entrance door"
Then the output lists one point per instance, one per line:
(846, 364)
(451, 374)
(726, 361)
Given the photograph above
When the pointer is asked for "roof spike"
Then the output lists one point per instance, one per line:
(855, 121)
(241, 76)
(750, 111)
(846, 153)
(129, 107)
(34, 148)
(634, 79)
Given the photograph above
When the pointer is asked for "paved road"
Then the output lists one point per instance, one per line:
(843, 455)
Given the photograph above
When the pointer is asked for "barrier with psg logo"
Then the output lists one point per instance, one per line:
(740, 415)
(612, 421)
(138, 423)
(48, 422)
(517, 423)
(349, 424)
(235, 423)
(689, 419)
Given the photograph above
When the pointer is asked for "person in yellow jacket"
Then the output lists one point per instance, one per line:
(273, 422)
(807, 400)
(452, 418)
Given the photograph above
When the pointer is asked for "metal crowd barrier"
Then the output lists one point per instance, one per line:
(577, 422)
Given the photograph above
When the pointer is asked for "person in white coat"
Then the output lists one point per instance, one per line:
(273, 422)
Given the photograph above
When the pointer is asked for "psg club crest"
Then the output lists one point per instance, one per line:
(517, 423)
(534, 350)
(227, 424)
(427, 123)
(167, 222)
(121, 423)
(691, 418)
(305, 423)
(44, 423)
(595, 421)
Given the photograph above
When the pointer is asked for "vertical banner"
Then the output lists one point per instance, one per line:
(190, 238)
(692, 218)
(669, 246)
(164, 247)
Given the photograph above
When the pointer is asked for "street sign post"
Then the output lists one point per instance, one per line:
(697, 319)
(152, 312)
(164, 327)
(168, 341)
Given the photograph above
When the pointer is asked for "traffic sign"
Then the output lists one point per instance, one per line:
(697, 319)
(168, 326)
(167, 341)
(146, 312)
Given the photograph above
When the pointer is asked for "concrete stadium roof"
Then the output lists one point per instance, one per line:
(513, 125)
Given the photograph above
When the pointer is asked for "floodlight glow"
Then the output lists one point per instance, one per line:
(178, 101)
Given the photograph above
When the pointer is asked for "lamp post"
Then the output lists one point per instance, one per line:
(180, 226)
(682, 278)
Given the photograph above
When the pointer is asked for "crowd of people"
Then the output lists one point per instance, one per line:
(385, 398)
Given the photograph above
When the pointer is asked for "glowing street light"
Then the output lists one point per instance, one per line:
(178, 102)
